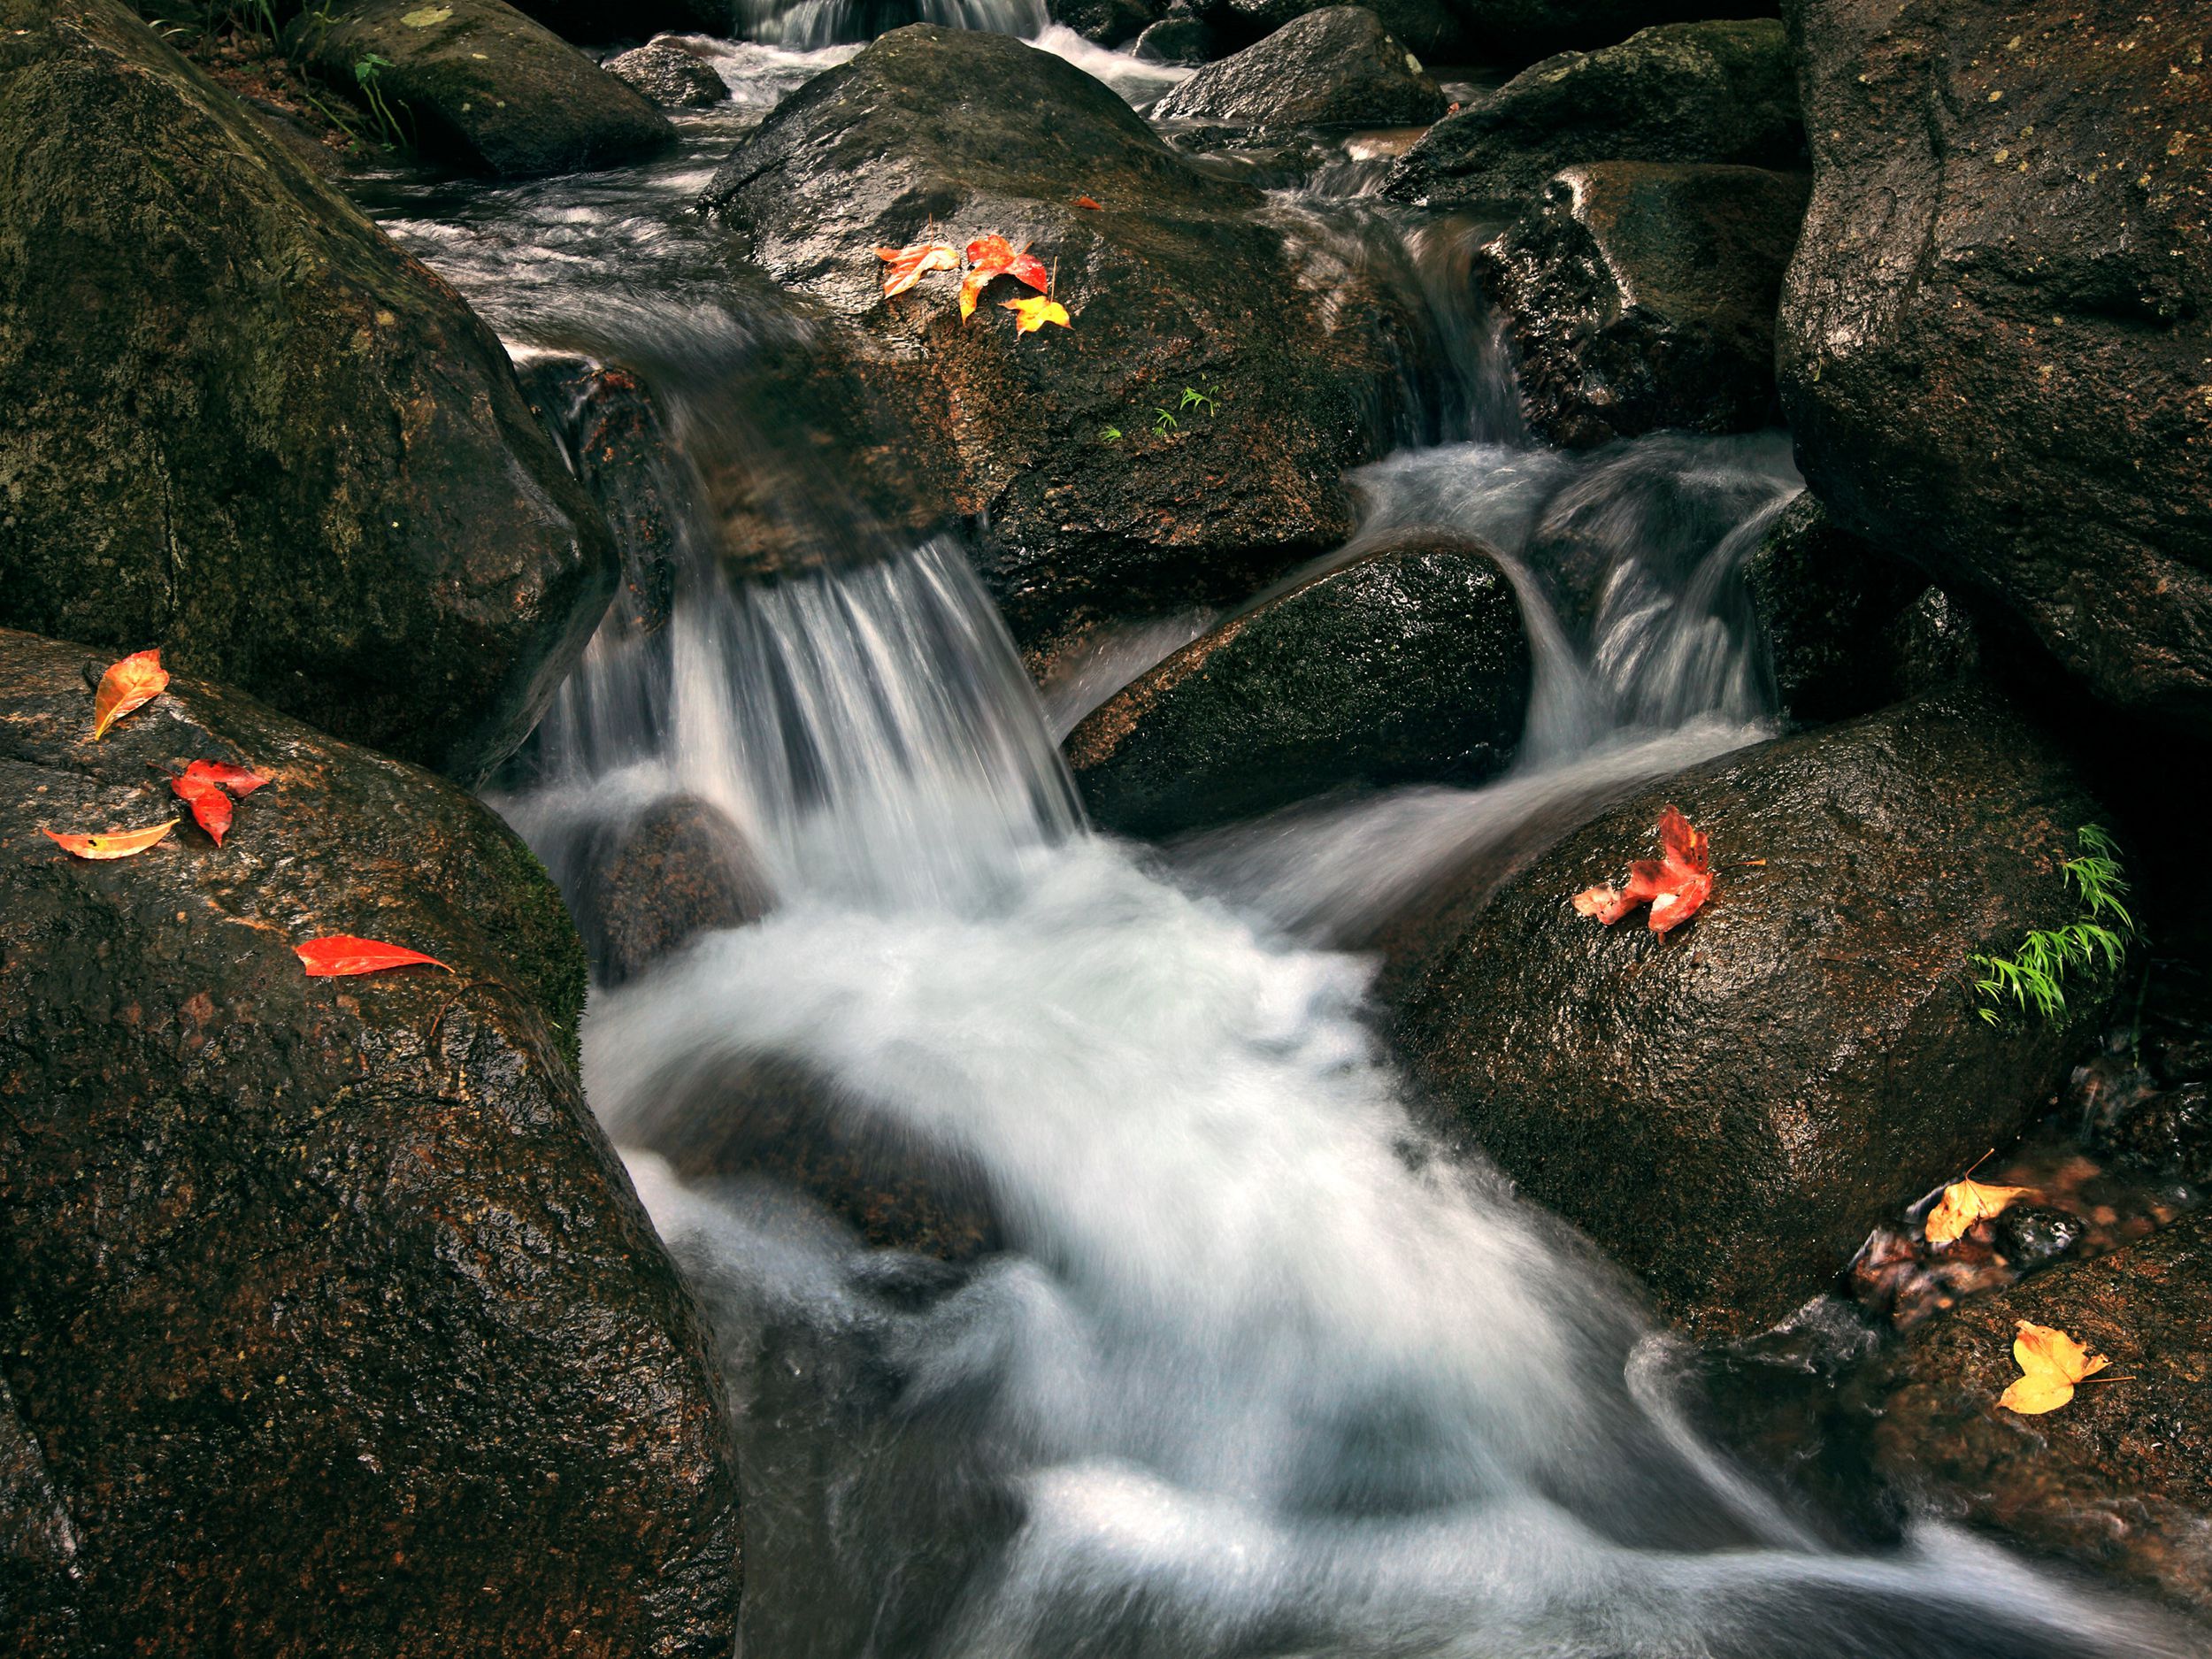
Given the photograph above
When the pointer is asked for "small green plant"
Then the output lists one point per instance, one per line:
(1111, 434)
(1163, 422)
(368, 72)
(2094, 941)
(1194, 398)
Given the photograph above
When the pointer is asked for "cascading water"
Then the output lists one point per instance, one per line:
(1258, 1370)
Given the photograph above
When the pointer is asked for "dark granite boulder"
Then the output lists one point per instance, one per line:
(1710, 91)
(235, 421)
(646, 885)
(1994, 338)
(1639, 295)
(325, 1301)
(1082, 497)
(1728, 1109)
(669, 76)
(478, 83)
(1408, 665)
(1337, 67)
(1181, 38)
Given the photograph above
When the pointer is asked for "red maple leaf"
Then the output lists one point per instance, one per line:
(1674, 884)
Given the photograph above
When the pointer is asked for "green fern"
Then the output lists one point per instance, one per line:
(2093, 943)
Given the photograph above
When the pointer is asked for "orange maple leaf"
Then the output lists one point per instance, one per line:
(114, 844)
(130, 684)
(909, 264)
(1032, 314)
(2051, 1365)
(991, 258)
(1675, 884)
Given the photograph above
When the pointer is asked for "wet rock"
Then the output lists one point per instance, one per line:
(1337, 67)
(2168, 1130)
(1515, 30)
(1993, 336)
(2117, 1479)
(1108, 22)
(1640, 295)
(1688, 92)
(610, 428)
(477, 83)
(770, 1117)
(237, 422)
(317, 1282)
(1181, 38)
(1847, 629)
(1729, 1109)
(37, 1545)
(644, 888)
(1408, 665)
(1082, 499)
(1426, 26)
(669, 76)
(2030, 1236)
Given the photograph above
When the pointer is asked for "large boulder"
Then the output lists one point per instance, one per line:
(237, 422)
(1084, 498)
(1727, 1111)
(1639, 294)
(325, 1301)
(477, 83)
(1182, 38)
(1108, 22)
(644, 885)
(1408, 665)
(1337, 67)
(670, 76)
(1710, 91)
(2119, 1479)
(1994, 336)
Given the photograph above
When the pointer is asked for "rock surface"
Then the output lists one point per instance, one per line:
(1108, 22)
(669, 76)
(1426, 26)
(1508, 29)
(1729, 1109)
(645, 888)
(1639, 295)
(1178, 284)
(1180, 38)
(2119, 1479)
(1408, 665)
(478, 83)
(597, 22)
(1847, 628)
(293, 458)
(325, 1283)
(1709, 91)
(1337, 67)
(1994, 337)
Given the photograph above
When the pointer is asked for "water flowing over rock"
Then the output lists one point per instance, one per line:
(1179, 284)
(1994, 335)
(1710, 91)
(1408, 665)
(1337, 67)
(477, 82)
(1727, 1111)
(650, 883)
(669, 76)
(236, 421)
(1640, 295)
(2119, 1479)
(325, 1283)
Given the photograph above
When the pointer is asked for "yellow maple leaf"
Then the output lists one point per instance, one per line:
(1033, 314)
(2051, 1362)
(1966, 1202)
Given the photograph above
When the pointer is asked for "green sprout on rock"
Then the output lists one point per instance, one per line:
(2094, 942)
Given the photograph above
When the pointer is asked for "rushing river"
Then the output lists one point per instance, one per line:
(1257, 1372)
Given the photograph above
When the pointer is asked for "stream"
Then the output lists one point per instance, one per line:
(1258, 1370)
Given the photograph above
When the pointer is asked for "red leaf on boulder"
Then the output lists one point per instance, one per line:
(130, 684)
(907, 264)
(992, 258)
(336, 955)
(201, 786)
(1675, 884)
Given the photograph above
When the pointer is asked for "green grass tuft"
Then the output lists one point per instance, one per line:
(2094, 943)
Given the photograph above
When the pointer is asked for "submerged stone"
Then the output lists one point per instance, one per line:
(1408, 665)
(325, 1283)
(238, 423)
(1994, 335)
(1728, 1110)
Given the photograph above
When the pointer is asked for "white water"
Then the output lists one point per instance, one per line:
(1258, 1370)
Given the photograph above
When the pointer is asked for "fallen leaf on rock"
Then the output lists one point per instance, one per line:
(1966, 1202)
(202, 788)
(1675, 884)
(909, 264)
(1031, 315)
(2051, 1362)
(1085, 201)
(130, 684)
(336, 955)
(991, 258)
(114, 844)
